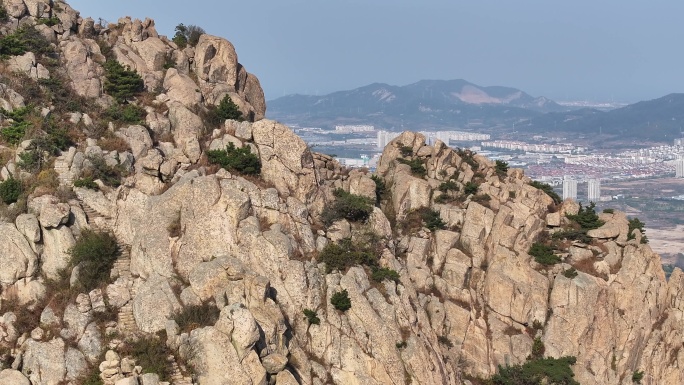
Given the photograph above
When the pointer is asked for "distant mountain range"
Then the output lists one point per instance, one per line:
(425, 104)
(659, 119)
(452, 104)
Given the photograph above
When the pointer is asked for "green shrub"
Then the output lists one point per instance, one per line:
(543, 254)
(24, 39)
(548, 190)
(417, 167)
(468, 157)
(187, 35)
(501, 168)
(635, 223)
(345, 254)
(125, 114)
(587, 218)
(447, 186)
(539, 371)
(432, 220)
(228, 110)
(240, 160)
(637, 376)
(380, 188)
(92, 377)
(572, 234)
(470, 188)
(31, 161)
(96, 252)
(109, 175)
(10, 190)
(608, 211)
(50, 22)
(537, 348)
(4, 16)
(151, 353)
(121, 83)
(86, 182)
(340, 300)
(570, 273)
(382, 273)
(348, 206)
(312, 317)
(196, 316)
(15, 132)
(406, 151)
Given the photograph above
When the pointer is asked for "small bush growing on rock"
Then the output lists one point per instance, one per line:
(587, 218)
(406, 151)
(543, 254)
(635, 223)
(227, 109)
(417, 167)
(96, 252)
(470, 188)
(637, 376)
(312, 317)
(345, 254)
(340, 300)
(548, 190)
(4, 16)
(447, 186)
(151, 354)
(538, 371)
(10, 190)
(125, 114)
(86, 182)
(570, 273)
(109, 175)
(24, 39)
(501, 168)
(432, 220)
(380, 188)
(444, 340)
(92, 377)
(187, 35)
(468, 157)
(481, 198)
(240, 160)
(121, 83)
(382, 273)
(608, 211)
(196, 316)
(401, 345)
(347, 206)
(537, 348)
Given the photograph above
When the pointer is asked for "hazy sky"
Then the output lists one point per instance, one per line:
(624, 50)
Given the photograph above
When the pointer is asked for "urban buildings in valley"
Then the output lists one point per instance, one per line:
(594, 190)
(569, 187)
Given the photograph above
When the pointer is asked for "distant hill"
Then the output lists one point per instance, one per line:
(659, 120)
(427, 103)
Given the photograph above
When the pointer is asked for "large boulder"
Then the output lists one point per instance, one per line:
(154, 304)
(18, 259)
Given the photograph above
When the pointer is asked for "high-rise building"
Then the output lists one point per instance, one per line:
(385, 137)
(594, 191)
(569, 187)
(679, 168)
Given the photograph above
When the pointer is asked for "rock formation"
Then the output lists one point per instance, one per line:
(219, 278)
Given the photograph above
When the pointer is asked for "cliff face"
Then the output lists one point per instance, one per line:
(195, 239)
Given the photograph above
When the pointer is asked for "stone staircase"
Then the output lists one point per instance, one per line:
(177, 377)
(121, 268)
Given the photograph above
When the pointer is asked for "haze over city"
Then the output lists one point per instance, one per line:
(581, 50)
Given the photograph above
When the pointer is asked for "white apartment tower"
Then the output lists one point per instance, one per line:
(594, 192)
(679, 168)
(385, 137)
(569, 187)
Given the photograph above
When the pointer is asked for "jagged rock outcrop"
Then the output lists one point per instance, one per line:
(452, 233)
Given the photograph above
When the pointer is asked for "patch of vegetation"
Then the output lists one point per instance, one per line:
(555, 371)
(227, 109)
(501, 168)
(109, 175)
(150, 352)
(125, 114)
(4, 16)
(196, 316)
(548, 190)
(444, 340)
(448, 186)
(49, 21)
(608, 211)
(432, 219)
(121, 82)
(637, 376)
(537, 348)
(345, 254)
(24, 39)
(86, 182)
(96, 252)
(481, 198)
(380, 188)
(468, 157)
(417, 166)
(570, 273)
(572, 234)
(187, 35)
(470, 188)
(340, 300)
(30, 161)
(382, 273)
(174, 228)
(92, 377)
(406, 151)
(240, 160)
(15, 132)
(10, 191)
(312, 317)
(635, 223)
(348, 206)
(587, 218)
(543, 254)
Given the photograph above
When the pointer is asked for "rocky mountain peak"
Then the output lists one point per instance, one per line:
(157, 229)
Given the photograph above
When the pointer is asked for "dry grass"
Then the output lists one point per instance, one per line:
(113, 143)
